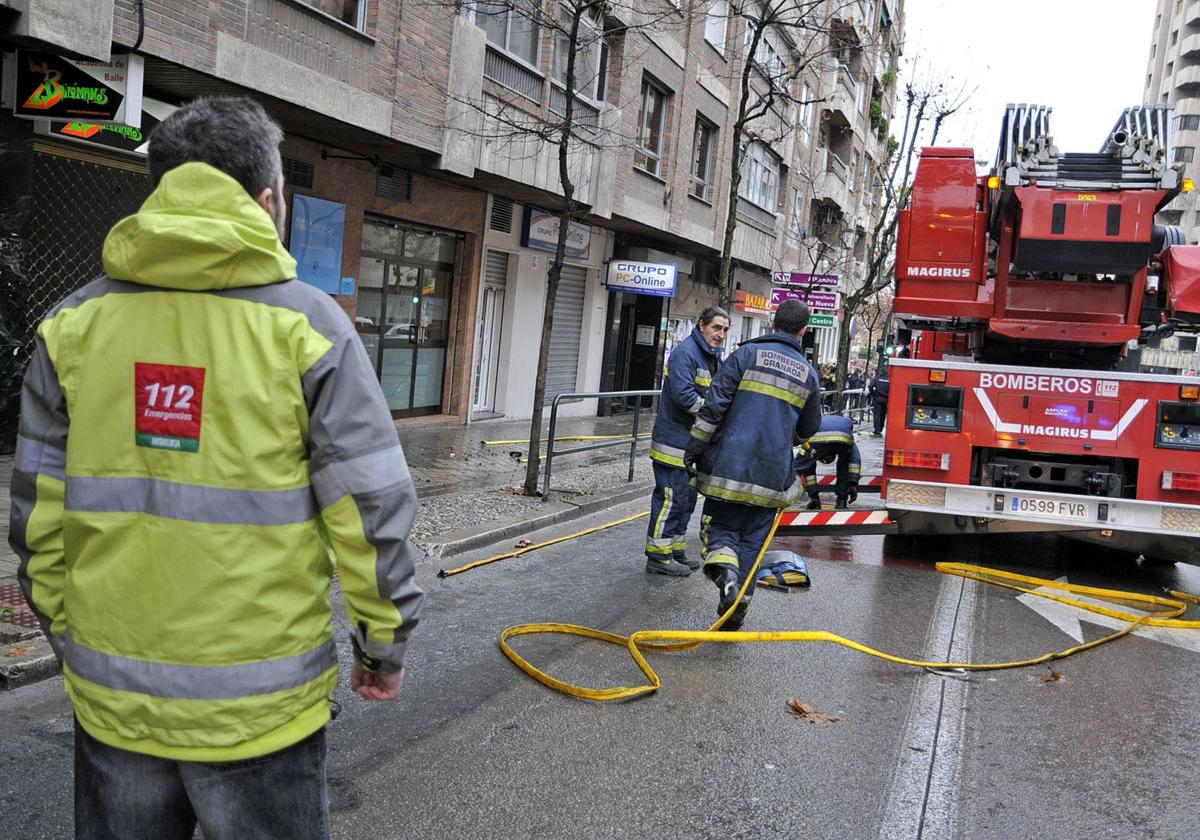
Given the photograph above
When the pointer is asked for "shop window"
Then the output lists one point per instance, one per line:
(704, 147)
(651, 118)
(350, 12)
(508, 29)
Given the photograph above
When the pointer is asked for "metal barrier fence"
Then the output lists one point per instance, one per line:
(630, 441)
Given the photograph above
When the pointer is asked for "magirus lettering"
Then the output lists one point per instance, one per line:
(937, 271)
(1054, 431)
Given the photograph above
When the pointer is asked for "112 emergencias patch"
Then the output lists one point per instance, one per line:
(167, 405)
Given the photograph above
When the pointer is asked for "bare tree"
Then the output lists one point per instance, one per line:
(926, 108)
(768, 87)
(576, 29)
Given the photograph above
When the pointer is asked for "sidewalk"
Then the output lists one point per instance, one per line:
(463, 503)
(466, 500)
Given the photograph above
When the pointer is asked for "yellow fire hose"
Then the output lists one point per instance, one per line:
(659, 641)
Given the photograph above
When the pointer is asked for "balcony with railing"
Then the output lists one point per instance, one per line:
(583, 113)
(1190, 47)
(513, 74)
(1188, 79)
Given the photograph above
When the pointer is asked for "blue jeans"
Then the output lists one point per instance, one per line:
(671, 508)
(121, 794)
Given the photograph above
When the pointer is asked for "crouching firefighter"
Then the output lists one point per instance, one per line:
(689, 372)
(834, 441)
(764, 399)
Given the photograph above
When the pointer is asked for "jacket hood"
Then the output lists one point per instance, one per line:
(198, 231)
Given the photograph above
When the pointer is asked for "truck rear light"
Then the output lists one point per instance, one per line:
(1189, 392)
(937, 376)
(918, 459)
(1181, 481)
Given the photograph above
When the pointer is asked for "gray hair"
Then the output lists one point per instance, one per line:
(233, 134)
(706, 317)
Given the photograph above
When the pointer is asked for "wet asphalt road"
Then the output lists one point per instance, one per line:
(475, 749)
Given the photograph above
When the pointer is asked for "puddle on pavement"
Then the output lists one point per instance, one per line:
(1041, 555)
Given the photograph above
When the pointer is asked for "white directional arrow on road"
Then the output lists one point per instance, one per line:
(1067, 619)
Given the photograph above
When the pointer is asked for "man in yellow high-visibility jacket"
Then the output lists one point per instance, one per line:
(202, 440)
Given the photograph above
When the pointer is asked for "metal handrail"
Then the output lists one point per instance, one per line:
(581, 395)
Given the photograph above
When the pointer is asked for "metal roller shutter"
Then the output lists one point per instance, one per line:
(566, 333)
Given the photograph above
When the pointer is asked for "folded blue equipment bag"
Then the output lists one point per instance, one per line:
(783, 569)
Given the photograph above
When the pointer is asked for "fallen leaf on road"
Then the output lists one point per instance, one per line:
(19, 650)
(811, 714)
(523, 544)
(1053, 676)
(513, 491)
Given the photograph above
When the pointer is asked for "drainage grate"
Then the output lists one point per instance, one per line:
(13, 609)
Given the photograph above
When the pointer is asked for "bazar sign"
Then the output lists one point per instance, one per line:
(541, 232)
(796, 278)
(815, 298)
(49, 86)
(642, 278)
(752, 303)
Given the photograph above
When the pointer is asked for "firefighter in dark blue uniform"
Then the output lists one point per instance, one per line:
(764, 400)
(880, 387)
(834, 441)
(689, 372)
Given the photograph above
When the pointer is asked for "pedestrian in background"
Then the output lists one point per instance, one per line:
(202, 437)
(880, 386)
(764, 400)
(689, 372)
(833, 442)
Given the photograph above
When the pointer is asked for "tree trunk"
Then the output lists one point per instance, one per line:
(554, 273)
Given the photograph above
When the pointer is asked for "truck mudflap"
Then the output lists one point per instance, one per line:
(1039, 510)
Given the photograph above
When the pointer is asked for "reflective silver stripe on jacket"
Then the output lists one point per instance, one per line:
(746, 489)
(781, 382)
(190, 502)
(197, 682)
(36, 457)
(364, 474)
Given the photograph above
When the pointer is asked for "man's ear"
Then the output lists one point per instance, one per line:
(266, 200)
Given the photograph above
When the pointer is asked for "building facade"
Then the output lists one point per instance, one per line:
(422, 179)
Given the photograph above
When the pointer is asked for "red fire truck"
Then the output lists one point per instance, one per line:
(1047, 275)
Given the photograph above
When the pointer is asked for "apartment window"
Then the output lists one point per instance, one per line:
(760, 176)
(590, 55)
(704, 152)
(509, 30)
(1187, 122)
(797, 221)
(852, 177)
(806, 113)
(1174, 37)
(350, 12)
(1170, 67)
(716, 24)
(1184, 154)
(648, 153)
